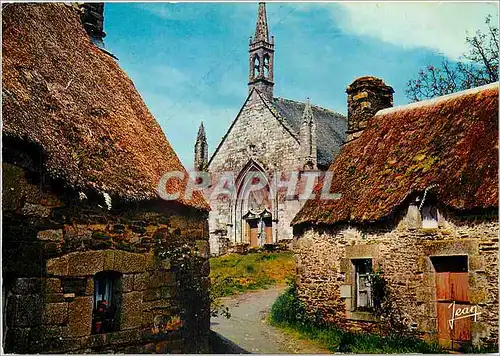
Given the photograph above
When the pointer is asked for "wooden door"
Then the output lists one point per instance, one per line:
(452, 294)
(254, 233)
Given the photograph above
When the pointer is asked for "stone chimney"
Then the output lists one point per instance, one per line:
(93, 21)
(365, 97)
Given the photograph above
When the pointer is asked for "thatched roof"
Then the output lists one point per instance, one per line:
(69, 97)
(451, 141)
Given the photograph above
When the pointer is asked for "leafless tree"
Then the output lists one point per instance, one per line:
(479, 66)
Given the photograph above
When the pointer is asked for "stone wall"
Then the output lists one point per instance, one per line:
(326, 275)
(256, 135)
(54, 244)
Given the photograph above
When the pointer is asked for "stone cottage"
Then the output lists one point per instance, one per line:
(269, 138)
(418, 206)
(93, 259)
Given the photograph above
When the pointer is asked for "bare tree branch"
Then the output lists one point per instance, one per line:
(479, 67)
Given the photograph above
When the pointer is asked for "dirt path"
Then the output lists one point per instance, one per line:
(248, 328)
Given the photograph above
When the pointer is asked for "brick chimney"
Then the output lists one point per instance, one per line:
(93, 21)
(365, 96)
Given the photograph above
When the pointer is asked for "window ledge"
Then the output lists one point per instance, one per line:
(361, 315)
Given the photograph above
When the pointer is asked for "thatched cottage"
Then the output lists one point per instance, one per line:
(93, 259)
(418, 208)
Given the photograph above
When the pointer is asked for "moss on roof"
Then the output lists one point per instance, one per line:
(451, 141)
(63, 93)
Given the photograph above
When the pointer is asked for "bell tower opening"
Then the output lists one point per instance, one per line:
(262, 57)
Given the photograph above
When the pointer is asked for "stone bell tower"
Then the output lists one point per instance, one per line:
(261, 57)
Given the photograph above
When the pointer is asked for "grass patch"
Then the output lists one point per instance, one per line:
(236, 273)
(289, 313)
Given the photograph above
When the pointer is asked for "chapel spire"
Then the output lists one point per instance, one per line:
(201, 150)
(261, 60)
(261, 31)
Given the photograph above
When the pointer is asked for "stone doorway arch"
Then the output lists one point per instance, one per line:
(252, 215)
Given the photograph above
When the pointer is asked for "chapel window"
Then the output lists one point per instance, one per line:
(107, 301)
(363, 288)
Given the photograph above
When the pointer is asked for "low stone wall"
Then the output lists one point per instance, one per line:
(326, 275)
(54, 245)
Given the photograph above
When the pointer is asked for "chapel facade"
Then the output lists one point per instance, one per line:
(271, 142)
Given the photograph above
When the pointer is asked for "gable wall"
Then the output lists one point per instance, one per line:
(275, 148)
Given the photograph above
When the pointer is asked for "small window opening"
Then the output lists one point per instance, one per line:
(363, 269)
(455, 263)
(107, 302)
(429, 216)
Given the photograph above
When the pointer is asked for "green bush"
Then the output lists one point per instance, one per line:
(288, 309)
(289, 312)
(483, 348)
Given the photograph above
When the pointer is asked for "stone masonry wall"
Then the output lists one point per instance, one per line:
(325, 272)
(256, 135)
(365, 97)
(53, 245)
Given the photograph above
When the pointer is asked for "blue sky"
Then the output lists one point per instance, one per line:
(189, 61)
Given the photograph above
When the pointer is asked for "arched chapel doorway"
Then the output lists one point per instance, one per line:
(254, 206)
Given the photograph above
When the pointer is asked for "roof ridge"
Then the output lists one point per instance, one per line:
(439, 99)
(312, 105)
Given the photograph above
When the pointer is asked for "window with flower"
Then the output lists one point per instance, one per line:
(107, 302)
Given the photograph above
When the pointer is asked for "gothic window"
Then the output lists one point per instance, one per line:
(429, 216)
(256, 66)
(266, 66)
(107, 300)
(362, 286)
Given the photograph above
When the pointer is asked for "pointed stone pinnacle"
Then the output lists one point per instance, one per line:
(261, 31)
(201, 133)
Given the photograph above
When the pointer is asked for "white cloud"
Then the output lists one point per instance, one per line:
(438, 26)
(171, 11)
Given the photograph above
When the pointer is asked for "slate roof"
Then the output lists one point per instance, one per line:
(331, 127)
(451, 141)
(71, 99)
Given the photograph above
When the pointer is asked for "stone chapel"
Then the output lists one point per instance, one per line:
(269, 136)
